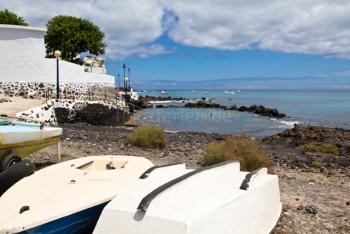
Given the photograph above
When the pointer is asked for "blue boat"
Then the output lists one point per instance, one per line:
(81, 222)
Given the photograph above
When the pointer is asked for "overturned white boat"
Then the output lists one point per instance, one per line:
(218, 199)
(68, 197)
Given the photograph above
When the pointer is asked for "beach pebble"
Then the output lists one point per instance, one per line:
(311, 209)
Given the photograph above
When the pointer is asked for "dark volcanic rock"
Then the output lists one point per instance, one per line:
(95, 114)
(202, 104)
(286, 150)
(98, 114)
(63, 115)
(138, 104)
(311, 209)
(262, 110)
(256, 109)
(159, 98)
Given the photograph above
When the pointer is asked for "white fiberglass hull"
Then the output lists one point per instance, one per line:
(24, 132)
(207, 202)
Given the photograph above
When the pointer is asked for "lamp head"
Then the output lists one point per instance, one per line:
(126, 78)
(57, 54)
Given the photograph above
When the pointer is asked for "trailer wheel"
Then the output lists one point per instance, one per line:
(8, 161)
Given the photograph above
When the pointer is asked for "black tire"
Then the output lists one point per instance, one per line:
(14, 174)
(8, 161)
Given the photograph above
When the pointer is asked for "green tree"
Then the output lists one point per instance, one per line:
(8, 17)
(73, 36)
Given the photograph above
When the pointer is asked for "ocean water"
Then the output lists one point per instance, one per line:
(316, 107)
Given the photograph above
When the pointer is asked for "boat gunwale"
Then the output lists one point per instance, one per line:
(31, 143)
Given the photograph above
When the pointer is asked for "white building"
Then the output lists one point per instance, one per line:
(22, 59)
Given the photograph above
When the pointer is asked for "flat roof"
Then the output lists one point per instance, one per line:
(30, 28)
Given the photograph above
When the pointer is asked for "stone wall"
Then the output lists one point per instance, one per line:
(82, 92)
(70, 111)
(48, 90)
(91, 103)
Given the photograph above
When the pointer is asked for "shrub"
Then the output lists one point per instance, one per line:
(242, 148)
(320, 147)
(8, 17)
(148, 136)
(317, 164)
(73, 36)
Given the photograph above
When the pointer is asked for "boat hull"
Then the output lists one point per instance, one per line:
(67, 188)
(193, 202)
(81, 222)
(26, 148)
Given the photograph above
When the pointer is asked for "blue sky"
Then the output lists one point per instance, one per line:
(194, 63)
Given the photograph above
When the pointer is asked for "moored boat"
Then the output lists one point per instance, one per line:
(216, 199)
(19, 139)
(68, 197)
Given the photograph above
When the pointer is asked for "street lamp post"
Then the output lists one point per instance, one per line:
(57, 54)
(129, 77)
(118, 80)
(126, 82)
(124, 67)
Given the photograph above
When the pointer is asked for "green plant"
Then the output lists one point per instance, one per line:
(317, 164)
(320, 148)
(148, 136)
(242, 148)
(8, 17)
(73, 36)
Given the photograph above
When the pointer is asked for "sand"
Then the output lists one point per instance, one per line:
(19, 104)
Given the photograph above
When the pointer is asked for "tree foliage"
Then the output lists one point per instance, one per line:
(8, 17)
(73, 36)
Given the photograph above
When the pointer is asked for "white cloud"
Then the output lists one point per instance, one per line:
(300, 26)
(132, 26)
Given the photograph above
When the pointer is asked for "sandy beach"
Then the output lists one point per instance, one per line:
(18, 104)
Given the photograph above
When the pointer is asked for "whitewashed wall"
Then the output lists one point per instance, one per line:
(22, 58)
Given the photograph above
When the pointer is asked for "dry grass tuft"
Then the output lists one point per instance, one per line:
(242, 148)
(320, 147)
(148, 136)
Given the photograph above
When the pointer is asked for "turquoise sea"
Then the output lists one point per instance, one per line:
(316, 107)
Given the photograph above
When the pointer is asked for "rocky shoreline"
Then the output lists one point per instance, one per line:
(315, 200)
(146, 102)
(255, 109)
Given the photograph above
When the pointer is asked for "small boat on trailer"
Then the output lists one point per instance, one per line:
(216, 199)
(19, 139)
(68, 197)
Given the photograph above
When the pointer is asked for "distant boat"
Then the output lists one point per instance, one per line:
(163, 92)
(229, 92)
